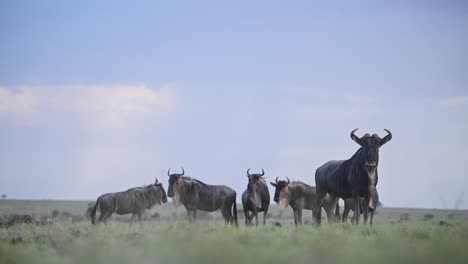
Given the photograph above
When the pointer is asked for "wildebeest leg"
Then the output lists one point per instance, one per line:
(246, 215)
(331, 211)
(139, 218)
(101, 216)
(255, 213)
(299, 216)
(194, 215)
(189, 213)
(230, 216)
(365, 208)
(345, 214)
(132, 218)
(317, 208)
(229, 219)
(109, 214)
(226, 215)
(371, 217)
(356, 202)
(319, 216)
(251, 217)
(295, 216)
(337, 210)
(265, 213)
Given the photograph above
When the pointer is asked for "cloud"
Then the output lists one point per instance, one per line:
(322, 105)
(17, 103)
(108, 106)
(114, 106)
(454, 101)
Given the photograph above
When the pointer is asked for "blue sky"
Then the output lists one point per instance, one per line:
(100, 96)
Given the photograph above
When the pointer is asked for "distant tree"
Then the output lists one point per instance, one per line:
(4, 196)
(55, 213)
(428, 216)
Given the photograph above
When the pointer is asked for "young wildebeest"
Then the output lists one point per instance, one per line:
(196, 195)
(356, 177)
(133, 201)
(256, 198)
(349, 203)
(302, 196)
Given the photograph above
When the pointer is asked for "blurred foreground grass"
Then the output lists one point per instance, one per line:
(62, 234)
(212, 242)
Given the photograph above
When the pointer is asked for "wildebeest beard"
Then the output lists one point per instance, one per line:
(372, 174)
(252, 192)
(284, 197)
(176, 191)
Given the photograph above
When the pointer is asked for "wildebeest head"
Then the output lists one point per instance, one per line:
(253, 187)
(254, 179)
(370, 146)
(174, 179)
(281, 192)
(185, 189)
(161, 193)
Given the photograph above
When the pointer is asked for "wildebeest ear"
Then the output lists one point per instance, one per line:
(273, 184)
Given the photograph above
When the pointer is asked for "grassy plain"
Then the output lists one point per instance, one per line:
(169, 239)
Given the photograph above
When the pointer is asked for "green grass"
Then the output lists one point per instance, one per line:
(209, 241)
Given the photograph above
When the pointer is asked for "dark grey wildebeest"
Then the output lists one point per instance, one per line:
(349, 205)
(301, 196)
(256, 198)
(133, 201)
(356, 177)
(196, 195)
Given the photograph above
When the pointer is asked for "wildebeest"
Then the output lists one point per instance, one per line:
(132, 201)
(356, 177)
(302, 196)
(349, 205)
(256, 198)
(196, 195)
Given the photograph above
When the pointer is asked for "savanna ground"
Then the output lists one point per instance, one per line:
(60, 233)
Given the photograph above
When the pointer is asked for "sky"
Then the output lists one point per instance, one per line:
(101, 96)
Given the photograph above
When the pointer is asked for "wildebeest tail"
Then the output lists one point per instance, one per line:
(234, 212)
(361, 205)
(93, 212)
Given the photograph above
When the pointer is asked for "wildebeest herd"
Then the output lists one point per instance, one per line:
(354, 180)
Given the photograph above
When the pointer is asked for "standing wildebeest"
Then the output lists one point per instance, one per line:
(302, 196)
(196, 195)
(356, 177)
(132, 201)
(256, 198)
(349, 204)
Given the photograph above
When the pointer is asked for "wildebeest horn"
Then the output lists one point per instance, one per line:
(288, 180)
(263, 172)
(183, 172)
(156, 181)
(248, 174)
(169, 172)
(354, 137)
(276, 180)
(386, 138)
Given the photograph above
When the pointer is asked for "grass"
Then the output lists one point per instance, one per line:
(209, 241)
